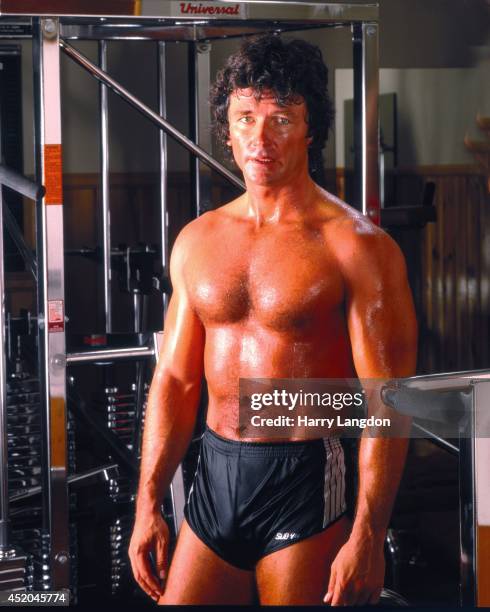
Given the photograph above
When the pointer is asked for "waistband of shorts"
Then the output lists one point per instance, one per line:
(265, 449)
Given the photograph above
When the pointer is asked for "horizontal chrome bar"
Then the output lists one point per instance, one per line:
(162, 123)
(20, 184)
(169, 32)
(119, 354)
(103, 469)
(441, 442)
(17, 236)
(444, 381)
(73, 479)
(197, 11)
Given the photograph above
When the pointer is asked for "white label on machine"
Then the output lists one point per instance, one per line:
(56, 316)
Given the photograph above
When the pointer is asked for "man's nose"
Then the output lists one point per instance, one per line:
(261, 133)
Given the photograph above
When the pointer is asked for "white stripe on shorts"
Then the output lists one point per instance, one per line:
(334, 480)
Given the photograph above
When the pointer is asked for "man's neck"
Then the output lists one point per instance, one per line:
(275, 204)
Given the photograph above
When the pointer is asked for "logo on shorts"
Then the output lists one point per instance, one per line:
(286, 535)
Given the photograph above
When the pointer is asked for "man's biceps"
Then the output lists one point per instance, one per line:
(182, 320)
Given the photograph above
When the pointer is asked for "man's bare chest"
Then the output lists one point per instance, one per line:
(282, 281)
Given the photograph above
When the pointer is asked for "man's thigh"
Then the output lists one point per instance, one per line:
(198, 576)
(299, 574)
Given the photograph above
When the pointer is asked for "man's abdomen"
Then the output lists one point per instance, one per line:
(250, 351)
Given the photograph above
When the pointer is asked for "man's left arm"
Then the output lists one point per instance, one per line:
(383, 333)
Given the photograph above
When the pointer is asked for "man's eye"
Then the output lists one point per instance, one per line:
(246, 119)
(283, 121)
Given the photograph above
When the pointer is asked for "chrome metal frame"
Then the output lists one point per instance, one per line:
(13, 229)
(4, 465)
(73, 479)
(51, 297)
(481, 494)
(20, 184)
(148, 112)
(109, 355)
(200, 121)
(25, 187)
(104, 190)
(366, 120)
(162, 109)
(474, 483)
(219, 12)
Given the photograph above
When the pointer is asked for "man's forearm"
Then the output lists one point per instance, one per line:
(169, 423)
(381, 463)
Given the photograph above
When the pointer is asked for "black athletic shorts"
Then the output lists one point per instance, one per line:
(249, 499)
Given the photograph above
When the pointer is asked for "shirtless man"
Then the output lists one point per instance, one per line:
(286, 281)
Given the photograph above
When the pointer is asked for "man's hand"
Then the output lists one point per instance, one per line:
(357, 573)
(150, 535)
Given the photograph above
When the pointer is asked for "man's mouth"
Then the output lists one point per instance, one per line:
(262, 160)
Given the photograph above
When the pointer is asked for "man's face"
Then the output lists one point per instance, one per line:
(269, 141)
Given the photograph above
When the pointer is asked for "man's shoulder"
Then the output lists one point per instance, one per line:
(354, 237)
(202, 226)
(345, 218)
(196, 229)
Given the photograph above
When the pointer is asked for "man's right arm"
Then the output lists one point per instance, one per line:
(169, 423)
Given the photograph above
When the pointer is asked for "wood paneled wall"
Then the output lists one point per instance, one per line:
(448, 264)
(454, 273)
(448, 261)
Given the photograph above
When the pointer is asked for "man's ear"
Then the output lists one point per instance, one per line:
(309, 140)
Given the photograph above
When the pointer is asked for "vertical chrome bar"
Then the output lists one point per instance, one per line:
(357, 56)
(200, 121)
(104, 172)
(481, 532)
(193, 125)
(4, 473)
(372, 206)
(366, 119)
(51, 298)
(162, 109)
(467, 512)
(137, 299)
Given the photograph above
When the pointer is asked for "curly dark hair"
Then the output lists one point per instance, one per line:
(291, 69)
